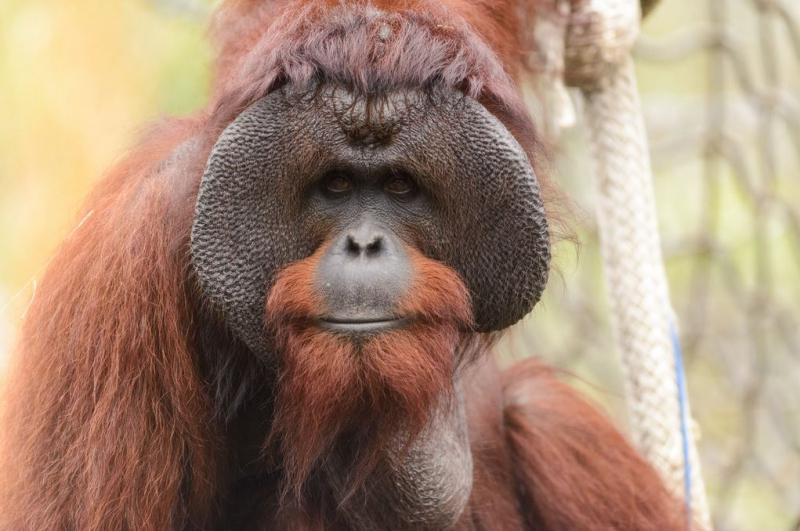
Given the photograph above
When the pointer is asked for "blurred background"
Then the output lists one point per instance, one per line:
(720, 82)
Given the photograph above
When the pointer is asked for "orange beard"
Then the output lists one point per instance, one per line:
(374, 388)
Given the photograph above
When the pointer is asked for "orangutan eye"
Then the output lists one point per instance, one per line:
(337, 184)
(401, 186)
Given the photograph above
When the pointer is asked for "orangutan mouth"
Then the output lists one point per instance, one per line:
(361, 326)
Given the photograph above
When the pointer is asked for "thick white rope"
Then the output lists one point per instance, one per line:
(637, 285)
(599, 35)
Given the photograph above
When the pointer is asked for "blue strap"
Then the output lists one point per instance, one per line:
(680, 377)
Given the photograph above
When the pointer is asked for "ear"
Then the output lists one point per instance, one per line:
(106, 379)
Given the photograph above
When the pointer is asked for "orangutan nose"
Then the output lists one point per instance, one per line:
(366, 241)
(362, 276)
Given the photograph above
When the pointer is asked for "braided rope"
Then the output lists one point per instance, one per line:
(637, 284)
(599, 35)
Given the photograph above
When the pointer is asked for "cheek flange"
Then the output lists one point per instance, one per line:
(242, 233)
(496, 234)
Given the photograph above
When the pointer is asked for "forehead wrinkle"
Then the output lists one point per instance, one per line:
(369, 120)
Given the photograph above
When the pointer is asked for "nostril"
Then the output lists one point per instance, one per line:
(352, 246)
(375, 246)
(355, 246)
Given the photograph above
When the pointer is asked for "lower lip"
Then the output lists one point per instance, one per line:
(362, 327)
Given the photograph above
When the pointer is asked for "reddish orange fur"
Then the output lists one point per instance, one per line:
(576, 470)
(117, 414)
(546, 459)
(494, 502)
(330, 384)
(105, 417)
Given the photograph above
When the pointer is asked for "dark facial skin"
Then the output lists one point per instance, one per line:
(431, 170)
(366, 269)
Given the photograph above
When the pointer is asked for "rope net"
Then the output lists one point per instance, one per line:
(719, 82)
